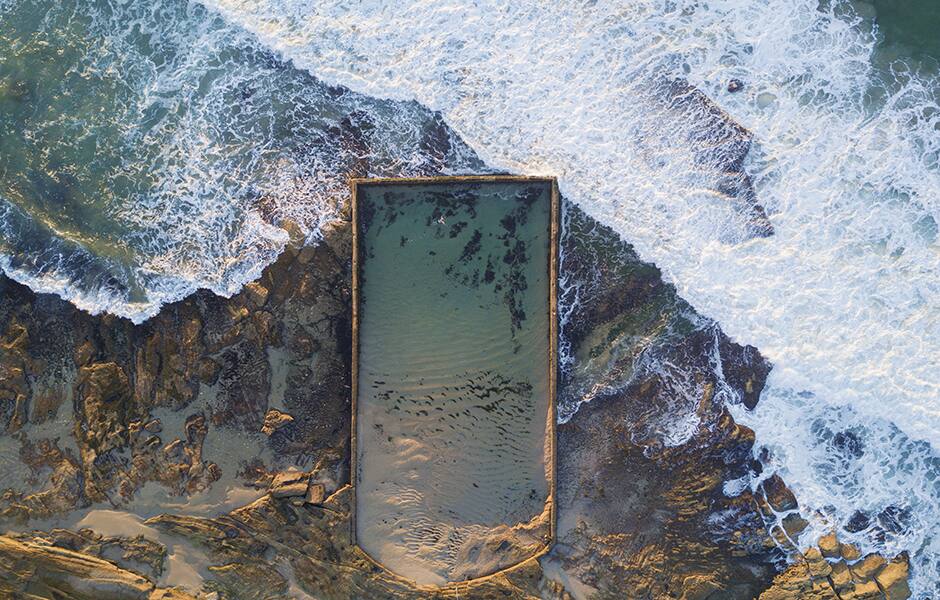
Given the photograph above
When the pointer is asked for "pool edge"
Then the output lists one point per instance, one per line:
(554, 235)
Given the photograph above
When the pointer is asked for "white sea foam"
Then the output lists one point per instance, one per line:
(205, 142)
(844, 297)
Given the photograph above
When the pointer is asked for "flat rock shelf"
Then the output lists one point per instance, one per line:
(454, 373)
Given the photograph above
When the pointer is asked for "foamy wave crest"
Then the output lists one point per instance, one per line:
(163, 148)
(843, 298)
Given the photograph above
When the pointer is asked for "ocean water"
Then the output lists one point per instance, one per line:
(148, 149)
(841, 98)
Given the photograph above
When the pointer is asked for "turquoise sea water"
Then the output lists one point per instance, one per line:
(910, 27)
(148, 149)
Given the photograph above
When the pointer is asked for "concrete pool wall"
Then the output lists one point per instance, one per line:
(453, 373)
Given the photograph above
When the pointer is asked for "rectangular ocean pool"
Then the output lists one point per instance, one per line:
(453, 370)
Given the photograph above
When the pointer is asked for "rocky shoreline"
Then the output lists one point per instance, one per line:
(223, 424)
(254, 391)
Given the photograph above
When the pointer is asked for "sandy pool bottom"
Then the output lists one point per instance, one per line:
(453, 407)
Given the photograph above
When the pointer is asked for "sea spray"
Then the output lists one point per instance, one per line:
(151, 149)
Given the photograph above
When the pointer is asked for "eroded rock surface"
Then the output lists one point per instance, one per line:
(837, 571)
(173, 400)
(252, 393)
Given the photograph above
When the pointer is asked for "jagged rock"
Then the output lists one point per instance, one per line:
(68, 565)
(208, 370)
(289, 484)
(314, 542)
(745, 370)
(104, 393)
(63, 489)
(849, 552)
(863, 590)
(641, 512)
(818, 566)
(256, 293)
(613, 446)
(892, 579)
(173, 594)
(778, 495)
(247, 581)
(36, 571)
(829, 546)
(794, 525)
(815, 578)
(137, 554)
(868, 567)
(859, 521)
(841, 578)
(316, 493)
(275, 420)
(15, 363)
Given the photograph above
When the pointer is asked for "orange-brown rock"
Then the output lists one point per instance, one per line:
(814, 577)
(654, 475)
(29, 570)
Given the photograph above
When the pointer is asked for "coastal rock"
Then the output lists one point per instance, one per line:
(892, 579)
(745, 370)
(868, 566)
(130, 387)
(289, 484)
(136, 554)
(316, 493)
(17, 363)
(794, 525)
(63, 489)
(247, 581)
(778, 495)
(812, 576)
(849, 552)
(34, 571)
(256, 294)
(104, 394)
(275, 421)
(638, 496)
(314, 543)
(829, 546)
(720, 146)
(174, 594)
(647, 455)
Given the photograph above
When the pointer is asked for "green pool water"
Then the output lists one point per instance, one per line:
(453, 404)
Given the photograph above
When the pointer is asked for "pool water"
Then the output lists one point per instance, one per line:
(454, 409)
